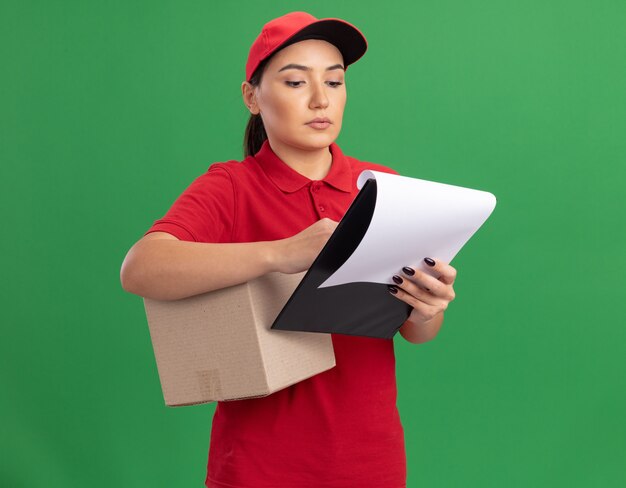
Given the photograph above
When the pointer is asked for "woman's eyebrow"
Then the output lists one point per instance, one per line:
(307, 68)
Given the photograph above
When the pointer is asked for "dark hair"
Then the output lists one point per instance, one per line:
(255, 134)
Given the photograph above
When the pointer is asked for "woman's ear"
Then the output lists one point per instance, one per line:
(249, 97)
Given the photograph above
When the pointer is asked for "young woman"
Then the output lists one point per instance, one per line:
(274, 211)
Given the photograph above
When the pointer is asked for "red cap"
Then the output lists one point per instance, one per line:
(297, 26)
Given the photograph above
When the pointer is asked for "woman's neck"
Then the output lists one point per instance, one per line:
(313, 164)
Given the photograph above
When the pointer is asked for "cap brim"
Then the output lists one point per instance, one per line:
(347, 38)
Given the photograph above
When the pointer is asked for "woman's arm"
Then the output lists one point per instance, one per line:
(424, 332)
(162, 267)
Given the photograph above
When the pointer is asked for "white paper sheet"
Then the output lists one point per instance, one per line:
(413, 219)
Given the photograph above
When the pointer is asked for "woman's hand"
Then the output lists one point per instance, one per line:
(429, 297)
(297, 253)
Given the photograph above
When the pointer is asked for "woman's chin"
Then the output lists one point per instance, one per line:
(319, 140)
(309, 141)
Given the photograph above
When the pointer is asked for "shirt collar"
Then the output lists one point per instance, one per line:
(289, 180)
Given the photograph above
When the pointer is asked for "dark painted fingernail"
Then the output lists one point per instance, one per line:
(397, 279)
(408, 271)
(429, 262)
(392, 289)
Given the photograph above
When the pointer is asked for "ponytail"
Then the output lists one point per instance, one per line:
(254, 136)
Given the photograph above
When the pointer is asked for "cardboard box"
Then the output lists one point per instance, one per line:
(219, 345)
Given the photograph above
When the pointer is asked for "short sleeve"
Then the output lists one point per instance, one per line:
(204, 212)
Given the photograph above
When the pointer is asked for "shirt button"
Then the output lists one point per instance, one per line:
(322, 208)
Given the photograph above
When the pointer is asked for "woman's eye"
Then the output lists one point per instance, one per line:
(296, 84)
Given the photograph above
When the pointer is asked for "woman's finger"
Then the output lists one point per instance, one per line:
(425, 281)
(447, 274)
(425, 310)
(409, 292)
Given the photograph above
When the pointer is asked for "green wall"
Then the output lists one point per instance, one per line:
(108, 110)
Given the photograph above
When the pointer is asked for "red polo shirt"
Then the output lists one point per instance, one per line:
(339, 428)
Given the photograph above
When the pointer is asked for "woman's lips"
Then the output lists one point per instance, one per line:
(319, 125)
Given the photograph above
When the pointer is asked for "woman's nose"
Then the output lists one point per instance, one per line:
(318, 96)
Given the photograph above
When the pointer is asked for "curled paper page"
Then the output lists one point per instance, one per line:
(412, 219)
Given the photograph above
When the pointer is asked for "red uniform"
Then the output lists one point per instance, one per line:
(338, 429)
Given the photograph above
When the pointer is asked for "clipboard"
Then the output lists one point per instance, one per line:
(364, 307)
